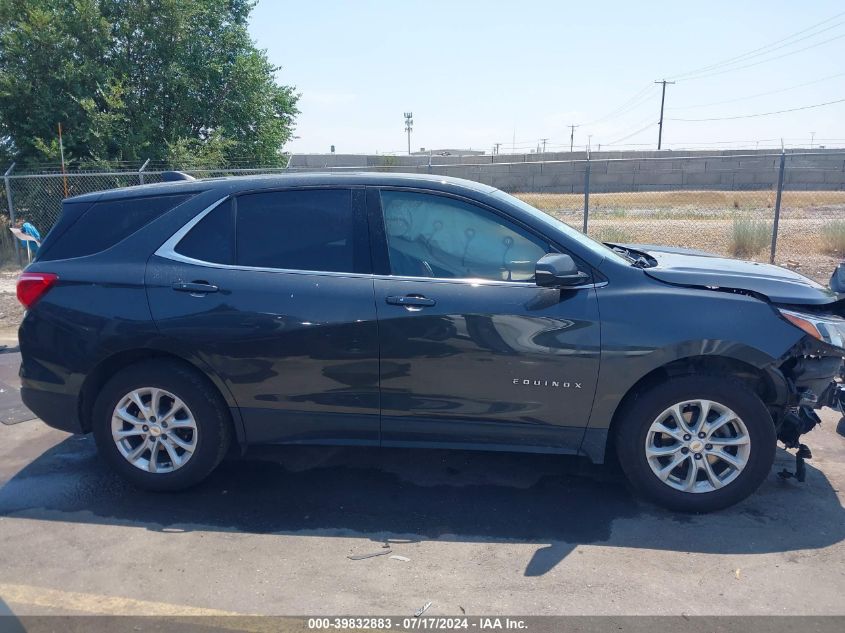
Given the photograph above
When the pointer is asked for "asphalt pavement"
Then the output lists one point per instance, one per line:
(483, 533)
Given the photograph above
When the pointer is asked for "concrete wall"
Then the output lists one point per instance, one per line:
(612, 171)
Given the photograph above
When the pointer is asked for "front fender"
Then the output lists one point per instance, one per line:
(650, 325)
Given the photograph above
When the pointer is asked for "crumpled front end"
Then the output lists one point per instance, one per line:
(815, 374)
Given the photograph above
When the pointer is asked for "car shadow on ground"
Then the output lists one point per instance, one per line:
(405, 494)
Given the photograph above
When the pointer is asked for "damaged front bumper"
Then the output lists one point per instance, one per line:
(815, 376)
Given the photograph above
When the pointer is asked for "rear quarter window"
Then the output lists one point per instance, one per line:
(212, 238)
(105, 224)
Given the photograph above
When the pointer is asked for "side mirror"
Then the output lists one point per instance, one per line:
(557, 271)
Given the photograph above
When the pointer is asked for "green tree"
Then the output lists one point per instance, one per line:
(135, 79)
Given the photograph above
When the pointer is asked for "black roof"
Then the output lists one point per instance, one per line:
(233, 184)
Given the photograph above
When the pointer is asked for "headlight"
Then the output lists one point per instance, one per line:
(829, 329)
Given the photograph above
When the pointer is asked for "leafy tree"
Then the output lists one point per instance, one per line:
(134, 79)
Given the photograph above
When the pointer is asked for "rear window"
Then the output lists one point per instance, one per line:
(211, 239)
(106, 223)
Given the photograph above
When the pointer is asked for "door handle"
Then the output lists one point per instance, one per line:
(195, 287)
(415, 301)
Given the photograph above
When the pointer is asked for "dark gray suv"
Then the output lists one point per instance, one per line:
(180, 321)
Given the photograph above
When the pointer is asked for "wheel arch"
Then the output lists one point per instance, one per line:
(110, 365)
(768, 383)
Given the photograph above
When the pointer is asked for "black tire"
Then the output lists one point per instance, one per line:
(210, 412)
(633, 428)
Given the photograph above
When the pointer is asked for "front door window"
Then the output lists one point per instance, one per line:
(444, 238)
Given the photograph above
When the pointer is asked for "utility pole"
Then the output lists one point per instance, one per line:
(544, 144)
(662, 101)
(498, 145)
(572, 137)
(62, 152)
(812, 138)
(409, 125)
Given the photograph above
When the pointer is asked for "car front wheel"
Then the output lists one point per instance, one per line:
(696, 443)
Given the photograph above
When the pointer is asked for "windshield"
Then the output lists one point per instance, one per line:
(587, 242)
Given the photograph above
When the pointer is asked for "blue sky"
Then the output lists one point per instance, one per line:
(479, 72)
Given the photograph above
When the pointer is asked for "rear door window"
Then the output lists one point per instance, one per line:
(106, 223)
(306, 229)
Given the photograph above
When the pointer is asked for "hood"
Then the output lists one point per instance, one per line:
(697, 268)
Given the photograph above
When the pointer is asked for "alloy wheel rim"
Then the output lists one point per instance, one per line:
(697, 446)
(154, 430)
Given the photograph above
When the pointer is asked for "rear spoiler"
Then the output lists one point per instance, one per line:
(173, 176)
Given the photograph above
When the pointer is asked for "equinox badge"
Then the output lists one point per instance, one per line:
(546, 383)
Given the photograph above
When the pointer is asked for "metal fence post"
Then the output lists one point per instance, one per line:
(141, 172)
(587, 193)
(7, 181)
(777, 206)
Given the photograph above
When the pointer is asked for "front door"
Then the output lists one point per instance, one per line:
(473, 353)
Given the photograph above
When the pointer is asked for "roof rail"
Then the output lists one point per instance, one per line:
(173, 176)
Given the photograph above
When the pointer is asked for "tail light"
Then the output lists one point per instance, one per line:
(33, 286)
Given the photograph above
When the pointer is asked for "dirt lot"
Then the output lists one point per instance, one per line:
(11, 311)
(705, 220)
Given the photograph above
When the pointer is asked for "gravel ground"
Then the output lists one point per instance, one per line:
(704, 220)
(11, 311)
(797, 244)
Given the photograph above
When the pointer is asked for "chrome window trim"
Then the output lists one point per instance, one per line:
(168, 251)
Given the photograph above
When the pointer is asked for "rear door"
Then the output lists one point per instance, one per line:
(272, 290)
(473, 352)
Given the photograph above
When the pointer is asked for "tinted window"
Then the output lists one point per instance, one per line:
(298, 230)
(435, 236)
(211, 239)
(106, 223)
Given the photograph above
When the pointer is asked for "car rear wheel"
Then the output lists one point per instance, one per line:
(161, 425)
(696, 443)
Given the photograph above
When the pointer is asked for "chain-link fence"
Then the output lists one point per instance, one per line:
(787, 208)
(37, 198)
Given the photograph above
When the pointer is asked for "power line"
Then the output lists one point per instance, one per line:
(759, 51)
(634, 102)
(759, 94)
(759, 114)
(640, 97)
(771, 50)
(764, 61)
(624, 130)
(632, 134)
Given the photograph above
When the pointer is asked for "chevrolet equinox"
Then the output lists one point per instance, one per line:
(183, 320)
